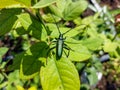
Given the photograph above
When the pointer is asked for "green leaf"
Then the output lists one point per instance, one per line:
(80, 66)
(38, 49)
(53, 28)
(1, 79)
(78, 21)
(59, 7)
(7, 19)
(4, 84)
(78, 52)
(98, 65)
(10, 4)
(93, 43)
(55, 10)
(25, 2)
(50, 19)
(3, 50)
(33, 26)
(14, 3)
(61, 4)
(13, 78)
(114, 12)
(92, 31)
(29, 67)
(110, 46)
(16, 62)
(32, 60)
(19, 29)
(74, 9)
(90, 26)
(87, 20)
(55, 32)
(92, 76)
(72, 41)
(59, 75)
(72, 32)
(43, 3)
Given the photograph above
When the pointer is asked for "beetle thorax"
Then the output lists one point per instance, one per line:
(61, 36)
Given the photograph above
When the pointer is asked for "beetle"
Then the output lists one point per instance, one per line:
(60, 43)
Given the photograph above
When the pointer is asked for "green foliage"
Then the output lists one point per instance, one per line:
(59, 75)
(79, 52)
(73, 9)
(25, 2)
(93, 43)
(32, 26)
(31, 62)
(110, 46)
(17, 62)
(44, 3)
(92, 76)
(3, 50)
(9, 4)
(86, 39)
(67, 9)
(13, 78)
(8, 19)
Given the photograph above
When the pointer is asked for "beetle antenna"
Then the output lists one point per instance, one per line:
(67, 31)
(56, 24)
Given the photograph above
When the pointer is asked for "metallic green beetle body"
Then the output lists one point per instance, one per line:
(59, 47)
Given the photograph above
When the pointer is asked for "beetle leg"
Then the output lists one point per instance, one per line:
(67, 54)
(50, 50)
(67, 48)
(53, 42)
